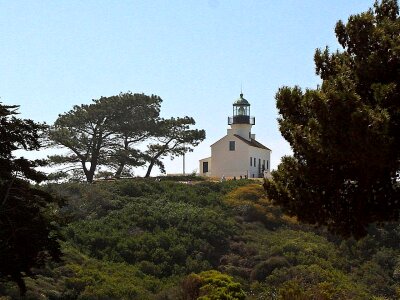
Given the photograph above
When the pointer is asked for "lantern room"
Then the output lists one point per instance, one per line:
(241, 112)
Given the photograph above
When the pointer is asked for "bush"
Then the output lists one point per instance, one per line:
(265, 268)
(250, 203)
(211, 285)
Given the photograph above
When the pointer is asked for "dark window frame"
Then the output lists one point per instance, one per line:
(232, 146)
(205, 166)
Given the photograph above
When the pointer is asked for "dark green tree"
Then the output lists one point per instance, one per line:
(27, 236)
(104, 133)
(345, 135)
(172, 138)
(133, 124)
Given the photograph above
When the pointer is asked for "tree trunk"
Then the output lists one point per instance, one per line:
(89, 177)
(94, 160)
(88, 173)
(154, 159)
(122, 163)
(119, 170)
(150, 168)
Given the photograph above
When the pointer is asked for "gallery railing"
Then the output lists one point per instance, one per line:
(241, 120)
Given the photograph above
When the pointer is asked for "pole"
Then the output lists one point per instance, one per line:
(183, 163)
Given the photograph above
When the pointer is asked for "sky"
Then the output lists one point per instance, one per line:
(196, 55)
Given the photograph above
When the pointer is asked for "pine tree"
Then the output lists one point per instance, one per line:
(345, 135)
(27, 234)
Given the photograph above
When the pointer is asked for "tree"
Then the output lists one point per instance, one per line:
(132, 125)
(173, 138)
(104, 132)
(27, 236)
(344, 172)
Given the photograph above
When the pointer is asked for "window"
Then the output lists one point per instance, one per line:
(231, 145)
(267, 165)
(205, 166)
(259, 162)
(251, 161)
(254, 162)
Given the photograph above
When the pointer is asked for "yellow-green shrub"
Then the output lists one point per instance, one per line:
(251, 203)
(209, 285)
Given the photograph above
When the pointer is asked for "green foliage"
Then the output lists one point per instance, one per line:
(165, 236)
(85, 202)
(344, 135)
(108, 132)
(312, 277)
(292, 290)
(100, 279)
(265, 268)
(104, 133)
(173, 138)
(140, 239)
(27, 228)
(250, 203)
(212, 285)
(182, 178)
(81, 277)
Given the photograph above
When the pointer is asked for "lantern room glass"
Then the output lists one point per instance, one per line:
(241, 110)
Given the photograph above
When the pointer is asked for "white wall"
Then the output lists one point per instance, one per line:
(201, 171)
(229, 163)
(237, 163)
(243, 130)
(260, 155)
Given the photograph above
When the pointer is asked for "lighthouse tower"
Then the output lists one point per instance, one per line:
(241, 121)
(238, 154)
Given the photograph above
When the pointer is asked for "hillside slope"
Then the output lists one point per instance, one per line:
(141, 239)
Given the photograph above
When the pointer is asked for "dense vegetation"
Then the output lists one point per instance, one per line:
(344, 172)
(143, 239)
(26, 212)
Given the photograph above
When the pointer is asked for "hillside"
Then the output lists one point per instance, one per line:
(142, 239)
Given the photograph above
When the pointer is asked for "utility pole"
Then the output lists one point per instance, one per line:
(183, 163)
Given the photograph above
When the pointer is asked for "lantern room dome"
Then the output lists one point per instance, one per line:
(241, 101)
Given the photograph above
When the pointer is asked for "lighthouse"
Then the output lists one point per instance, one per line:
(241, 121)
(238, 154)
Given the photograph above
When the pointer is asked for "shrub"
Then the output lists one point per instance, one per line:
(265, 268)
(211, 285)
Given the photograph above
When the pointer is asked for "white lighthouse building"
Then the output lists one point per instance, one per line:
(238, 154)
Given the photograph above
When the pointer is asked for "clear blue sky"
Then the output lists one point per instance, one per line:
(194, 54)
